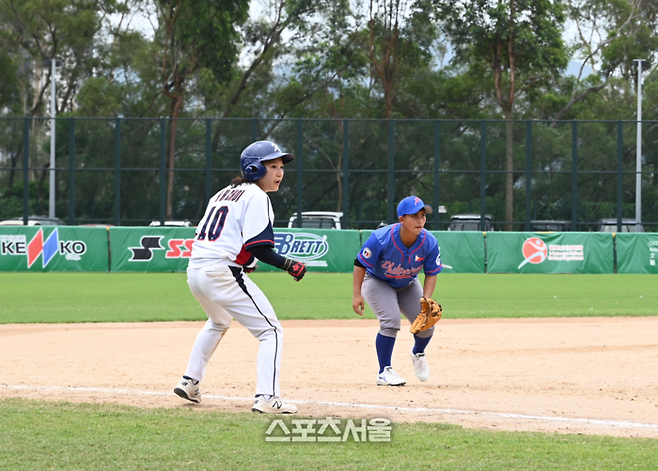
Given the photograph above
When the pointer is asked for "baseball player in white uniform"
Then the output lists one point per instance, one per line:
(235, 232)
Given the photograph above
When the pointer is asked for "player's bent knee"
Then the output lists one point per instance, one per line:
(389, 332)
(425, 334)
(218, 326)
(271, 333)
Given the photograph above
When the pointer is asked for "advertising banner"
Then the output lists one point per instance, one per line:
(559, 252)
(150, 249)
(637, 252)
(322, 250)
(461, 251)
(168, 249)
(53, 248)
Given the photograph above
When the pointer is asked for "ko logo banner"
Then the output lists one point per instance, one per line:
(40, 246)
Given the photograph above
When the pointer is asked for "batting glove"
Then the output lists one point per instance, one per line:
(296, 269)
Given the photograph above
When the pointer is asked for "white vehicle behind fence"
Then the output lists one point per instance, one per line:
(317, 220)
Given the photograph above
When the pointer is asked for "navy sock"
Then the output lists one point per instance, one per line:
(384, 346)
(421, 343)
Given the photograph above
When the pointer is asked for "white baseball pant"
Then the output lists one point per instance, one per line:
(226, 292)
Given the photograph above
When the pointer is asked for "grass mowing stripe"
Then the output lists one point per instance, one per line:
(37, 435)
(132, 297)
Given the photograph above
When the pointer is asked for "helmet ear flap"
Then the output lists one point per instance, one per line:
(254, 171)
(250, 170)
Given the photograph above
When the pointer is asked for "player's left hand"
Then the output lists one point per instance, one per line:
(296, 269)
(250, 269)
(430, 314)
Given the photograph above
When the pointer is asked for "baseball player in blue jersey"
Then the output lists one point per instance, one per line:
(386, 276)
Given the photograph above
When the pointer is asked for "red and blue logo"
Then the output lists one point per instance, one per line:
(48, 248)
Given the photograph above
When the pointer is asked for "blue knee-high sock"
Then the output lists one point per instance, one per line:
(384, 346)
(421, 343)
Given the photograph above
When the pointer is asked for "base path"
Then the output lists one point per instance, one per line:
(568, 375)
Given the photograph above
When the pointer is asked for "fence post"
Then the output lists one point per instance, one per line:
(528, 173)
(71, 171)
(346, 172)
(26, 169)
(483, 174)
(437, 155)
(163, 159)
(300, 179)
(620, 174)
(254, 129)
(117, 171)
(391, 172)
(209, 192)
(574, 175)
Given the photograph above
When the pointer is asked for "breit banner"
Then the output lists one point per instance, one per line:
(323, 250)
(560, 252)
(53, 248)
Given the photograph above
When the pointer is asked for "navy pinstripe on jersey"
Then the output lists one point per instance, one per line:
(387, 258)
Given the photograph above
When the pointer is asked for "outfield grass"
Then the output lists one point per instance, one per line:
(39, 435)
(131, 297)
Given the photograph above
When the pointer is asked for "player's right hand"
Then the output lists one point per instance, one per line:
(358, 304)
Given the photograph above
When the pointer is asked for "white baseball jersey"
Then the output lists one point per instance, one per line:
(236, 218)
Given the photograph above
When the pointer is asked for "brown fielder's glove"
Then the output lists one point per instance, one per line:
(430, 314)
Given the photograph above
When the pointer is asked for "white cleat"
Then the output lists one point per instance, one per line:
(388, 377)
(421, 368)
(189, 389)
(272, 406)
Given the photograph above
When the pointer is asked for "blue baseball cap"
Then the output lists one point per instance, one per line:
(411, 205)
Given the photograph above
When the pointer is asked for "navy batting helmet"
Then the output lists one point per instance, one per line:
(258, 152)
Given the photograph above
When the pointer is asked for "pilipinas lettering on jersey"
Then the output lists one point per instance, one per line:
(235, 219)
(387, 258)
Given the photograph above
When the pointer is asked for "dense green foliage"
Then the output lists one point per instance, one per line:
(133, 297)
(455, 60)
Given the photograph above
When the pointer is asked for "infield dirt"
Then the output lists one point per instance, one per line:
(568, 375)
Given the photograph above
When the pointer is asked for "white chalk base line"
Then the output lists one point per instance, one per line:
(566, 420)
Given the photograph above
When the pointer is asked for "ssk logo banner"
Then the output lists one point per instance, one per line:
(178, 248)
(302, 246)
(150, 249)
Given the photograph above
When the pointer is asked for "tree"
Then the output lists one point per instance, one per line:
(35, 30)
(519, 41)
(609, 35)
(195, 35)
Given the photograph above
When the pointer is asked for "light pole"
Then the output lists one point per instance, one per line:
(53, 63)
(638, 150)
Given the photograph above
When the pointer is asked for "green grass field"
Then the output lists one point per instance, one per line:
(41, 436)
(130, 297)
(38, 435)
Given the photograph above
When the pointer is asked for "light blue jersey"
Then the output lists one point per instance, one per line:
(385, 256)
